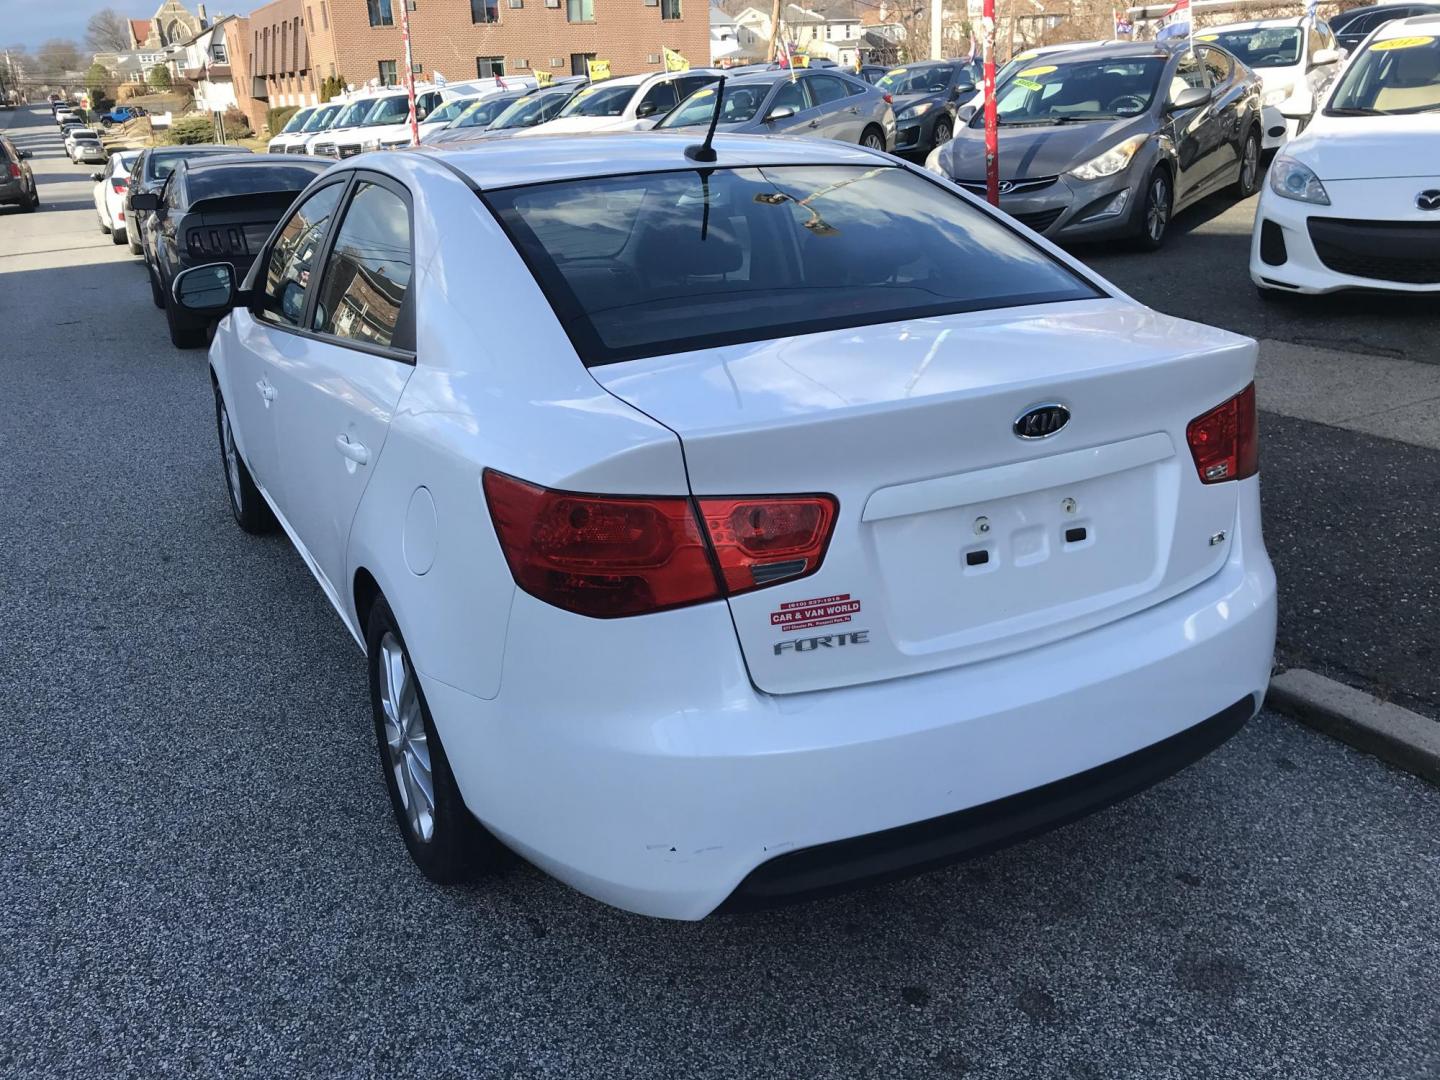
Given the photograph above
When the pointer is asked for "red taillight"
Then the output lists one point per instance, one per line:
(1224, 441)
(119, 186)
(14, 171)
(888, 99)
(608, 556)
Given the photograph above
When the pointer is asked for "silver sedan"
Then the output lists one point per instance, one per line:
(823, 104)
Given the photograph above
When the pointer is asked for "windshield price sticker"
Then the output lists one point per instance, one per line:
(1401, 43)
(821, 611)
(1028, 84)
(1207, 37)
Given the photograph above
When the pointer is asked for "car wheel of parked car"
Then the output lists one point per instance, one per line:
(252, 512)
(943, 131)
(873, 138)
(157, 294)
(135, 248)
(443, 838)
(1155, 211)
(32, 204)
(185, 331)
(1249, 180)
(104, 228)
(117, 236)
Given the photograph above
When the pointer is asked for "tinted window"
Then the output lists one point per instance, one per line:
(1218, 64)
(1044, 91)
(287, 274)
(635, 266)
(369, 270)
(391, 110)
(1262, 47)
(160, 163)
(930, 79)
(825, 89)
(481, 113)
(1188, 74)
(661, 96)
(531, 109)
(740, 103)
(219, 182)
(791, 94)
(600, 100)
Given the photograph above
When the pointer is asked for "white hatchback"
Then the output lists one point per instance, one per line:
(111, 185)
(1354, 203)
(722, 532)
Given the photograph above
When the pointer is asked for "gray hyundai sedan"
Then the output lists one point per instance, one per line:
(1114, 140)
(823, 103)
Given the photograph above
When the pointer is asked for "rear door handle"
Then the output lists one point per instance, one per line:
(355, 451)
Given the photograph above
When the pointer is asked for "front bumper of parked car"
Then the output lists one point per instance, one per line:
(1372, 236)
(1064, 208)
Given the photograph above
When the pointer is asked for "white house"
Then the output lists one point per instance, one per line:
(207, 66)
(724, 35)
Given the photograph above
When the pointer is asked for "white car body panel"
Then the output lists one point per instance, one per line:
(110, 204)
(1305, 81)
(660, 793)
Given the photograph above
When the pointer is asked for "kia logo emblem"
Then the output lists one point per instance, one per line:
(1428, 200)
(1041, 422)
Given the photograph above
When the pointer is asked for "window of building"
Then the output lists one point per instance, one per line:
(380, 13)
(324, 16)
(484, 11)
(579, 60)
(580, 11)
(669, 9)
(389, 76)
(487, 67)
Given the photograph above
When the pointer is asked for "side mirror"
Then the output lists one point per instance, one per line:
(206, 289)
(145, 200)
(780, 112)
(292, 301)
(97, 176)
(966, 113)
(1324, 56)
(1192, 97)
(646, 108)
(964, 89)
(24, 154)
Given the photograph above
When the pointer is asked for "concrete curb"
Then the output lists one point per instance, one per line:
(1403, 738)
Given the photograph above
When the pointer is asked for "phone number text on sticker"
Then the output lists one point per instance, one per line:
(821, 611)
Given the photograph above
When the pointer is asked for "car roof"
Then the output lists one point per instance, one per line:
(204, 162)
(1406, 27)
(508, 162)
(1114, 50)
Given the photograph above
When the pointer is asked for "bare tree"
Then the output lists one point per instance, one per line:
(57, 56)
(107, 31)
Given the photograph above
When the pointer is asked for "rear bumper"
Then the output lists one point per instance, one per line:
(643, 768)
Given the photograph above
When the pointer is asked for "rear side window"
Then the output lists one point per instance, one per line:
(292, 259)
(664, 262)
(219, 182)
(368, 273)
(1218, 65)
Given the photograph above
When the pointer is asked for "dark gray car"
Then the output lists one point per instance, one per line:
(924, 96)
(17, 182)
(149, 173)
(821, 104)
(1113, 140)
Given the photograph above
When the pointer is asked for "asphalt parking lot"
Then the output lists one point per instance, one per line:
(199, 875)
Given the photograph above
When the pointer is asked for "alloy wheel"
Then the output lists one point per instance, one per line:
(872, 141)
(942, 133)
(406, 743)
(1250, 164)
(1157, 208)
(232, 459)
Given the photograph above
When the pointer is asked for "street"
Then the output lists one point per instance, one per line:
(199, 874)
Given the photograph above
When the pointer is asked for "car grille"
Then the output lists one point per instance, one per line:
(300, 149)
(1017, 187)
(326, 149)
(349, 151)
(1040, 220)
(1380, 250)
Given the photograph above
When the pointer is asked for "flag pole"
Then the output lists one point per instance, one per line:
(409, 71)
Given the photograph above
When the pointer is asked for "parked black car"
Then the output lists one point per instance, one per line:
(1354, 26)
(215, 208)
(148, 176)
(924, 97)
(1113, 140)
(17, 182)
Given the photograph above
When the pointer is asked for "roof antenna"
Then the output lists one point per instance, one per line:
(704, 151)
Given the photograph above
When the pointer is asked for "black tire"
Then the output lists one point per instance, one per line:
(457, 848)
(157, 293)
(252, 512)
(1152, 214)
(1248, 182)
(944, 132)
(135, 248)
(873, 137)
(185, 331)
(117, 236)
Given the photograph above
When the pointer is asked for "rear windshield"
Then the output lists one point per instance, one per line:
(218, 182)
(161, 163)
(664, 262)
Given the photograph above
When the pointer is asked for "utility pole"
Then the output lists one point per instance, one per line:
(409, 71)
(937, 27)
(992, 120)
(774, 29)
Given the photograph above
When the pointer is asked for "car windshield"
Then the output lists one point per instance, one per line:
(740, 104)
(389, 110)
(1262, 47)
(1394, 75)
(321, 118)
(600, 100)
(297, 121)
(1054, 93)
(220, 181)
(353, 113)
(659, 263)
(531, 110)
(929, 79)
(449, 111)
(481, 113)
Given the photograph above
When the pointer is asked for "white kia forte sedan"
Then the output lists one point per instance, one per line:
(1354, 203)
(721, 533)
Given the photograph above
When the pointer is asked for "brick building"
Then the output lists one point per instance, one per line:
(294, 44)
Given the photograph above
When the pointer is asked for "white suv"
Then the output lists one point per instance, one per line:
(630, 103)
(387, 125)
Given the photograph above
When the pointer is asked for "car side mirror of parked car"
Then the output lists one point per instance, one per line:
(24, 154)
(209, 289)
(145, 200)
(965, 113)
(1324, 56)
(780, 112)
(964, 89)
(97, 176)
(646, 108)
(1192, 97)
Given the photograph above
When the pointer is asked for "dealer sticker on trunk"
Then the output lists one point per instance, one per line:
(821, 611)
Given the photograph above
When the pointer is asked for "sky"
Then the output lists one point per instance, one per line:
(33, 22)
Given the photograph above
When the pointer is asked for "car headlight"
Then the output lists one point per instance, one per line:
(914, 112)
(1292, 180)
(1279, 94)
(1116, 159)
(932, 163)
